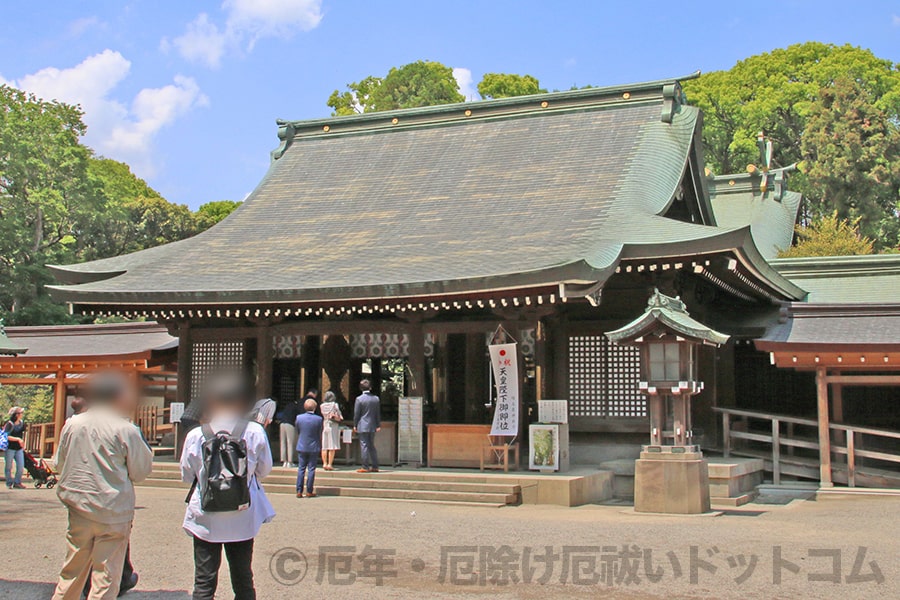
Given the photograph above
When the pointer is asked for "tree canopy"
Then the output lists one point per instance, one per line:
(507, 85)
(834, 110)
(59, 203)
(829, 236)
(422, 83)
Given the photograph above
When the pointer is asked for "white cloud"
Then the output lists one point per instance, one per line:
(895, 20)
(246, 22)
(202, 42)
(79, 27)
(119, 129)
(465, 82)
(272, 18)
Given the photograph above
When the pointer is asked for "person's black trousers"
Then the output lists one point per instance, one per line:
(208, 559)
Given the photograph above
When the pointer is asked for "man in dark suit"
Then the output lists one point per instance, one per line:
(309, 445)
(367, 422)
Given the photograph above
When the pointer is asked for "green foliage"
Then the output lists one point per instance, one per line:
(356, 99)
(829, 236)
(422, 83)
(212, 212)
(851, 152)
(45, 195)
(507, 85)
(60, 204)
(37, 400)
(791, 95)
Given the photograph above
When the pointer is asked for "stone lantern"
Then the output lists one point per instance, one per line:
(671, 475)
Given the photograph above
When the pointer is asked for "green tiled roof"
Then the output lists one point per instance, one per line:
(667, 314)
(7, 346)
(871, 279)
(463, 198)
(738, 200)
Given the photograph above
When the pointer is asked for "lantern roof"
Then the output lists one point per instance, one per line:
(665, 314)
(7, 346)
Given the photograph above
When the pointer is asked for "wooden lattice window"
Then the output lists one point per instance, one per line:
(603, 379)
(207, 357)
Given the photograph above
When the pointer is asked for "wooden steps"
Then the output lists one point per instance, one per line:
(445, 488)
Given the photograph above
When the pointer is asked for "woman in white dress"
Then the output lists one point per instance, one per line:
(331, 442)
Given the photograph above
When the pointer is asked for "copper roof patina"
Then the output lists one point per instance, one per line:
(459, 199)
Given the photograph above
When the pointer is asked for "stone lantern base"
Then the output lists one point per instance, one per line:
(671, 479)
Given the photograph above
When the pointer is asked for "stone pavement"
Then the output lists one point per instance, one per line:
(344, 547)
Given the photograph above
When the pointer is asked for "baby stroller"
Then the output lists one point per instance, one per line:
(40, 471)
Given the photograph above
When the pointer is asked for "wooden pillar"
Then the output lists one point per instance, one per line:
(540, 360)
(680, 419)
(183, 379)
(837, 410)
(263, 361)
(59, 407)
(657, 419)
(824, 431)
(185, 354)
(417, 359)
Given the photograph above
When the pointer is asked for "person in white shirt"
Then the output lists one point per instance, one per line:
(99, 457)
(225, 402)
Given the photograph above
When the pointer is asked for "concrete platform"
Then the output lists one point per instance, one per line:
(457, 486)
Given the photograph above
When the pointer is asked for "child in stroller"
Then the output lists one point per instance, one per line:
(40, 471)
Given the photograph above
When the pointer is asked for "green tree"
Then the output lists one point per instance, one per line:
(422, 83)
(46, 198)
(507, 85)
(776, 92)
(212, 212)
(37, 400)
(787, 93)
(829, 236)
(356, 99)
(60, 204)
(851, 151)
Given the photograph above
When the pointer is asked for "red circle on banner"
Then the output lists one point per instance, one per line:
(503, 353)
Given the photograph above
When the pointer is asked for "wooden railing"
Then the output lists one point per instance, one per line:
(152, 422)
(789, 444)
(40, 438)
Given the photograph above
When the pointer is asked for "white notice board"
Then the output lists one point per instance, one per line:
(176, 410)
(409, 430)
(553, 411)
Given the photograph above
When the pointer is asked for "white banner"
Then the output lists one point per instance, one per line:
(505, 366)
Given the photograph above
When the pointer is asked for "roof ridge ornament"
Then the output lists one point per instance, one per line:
(660, 300)
(286, 133)
(673, 98)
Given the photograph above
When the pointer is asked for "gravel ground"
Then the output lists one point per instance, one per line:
(733, 554)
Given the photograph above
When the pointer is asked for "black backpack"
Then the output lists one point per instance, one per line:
(227, 486)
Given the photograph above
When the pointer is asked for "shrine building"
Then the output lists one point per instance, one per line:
(392, 245)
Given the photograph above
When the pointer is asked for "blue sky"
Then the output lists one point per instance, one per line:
(188, 92)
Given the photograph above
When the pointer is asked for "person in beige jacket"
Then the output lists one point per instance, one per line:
(99, 457)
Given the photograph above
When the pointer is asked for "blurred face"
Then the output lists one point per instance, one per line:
(127, 401)
(17, 416)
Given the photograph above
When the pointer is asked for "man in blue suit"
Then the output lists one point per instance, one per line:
(309, 445)
(367, 422)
